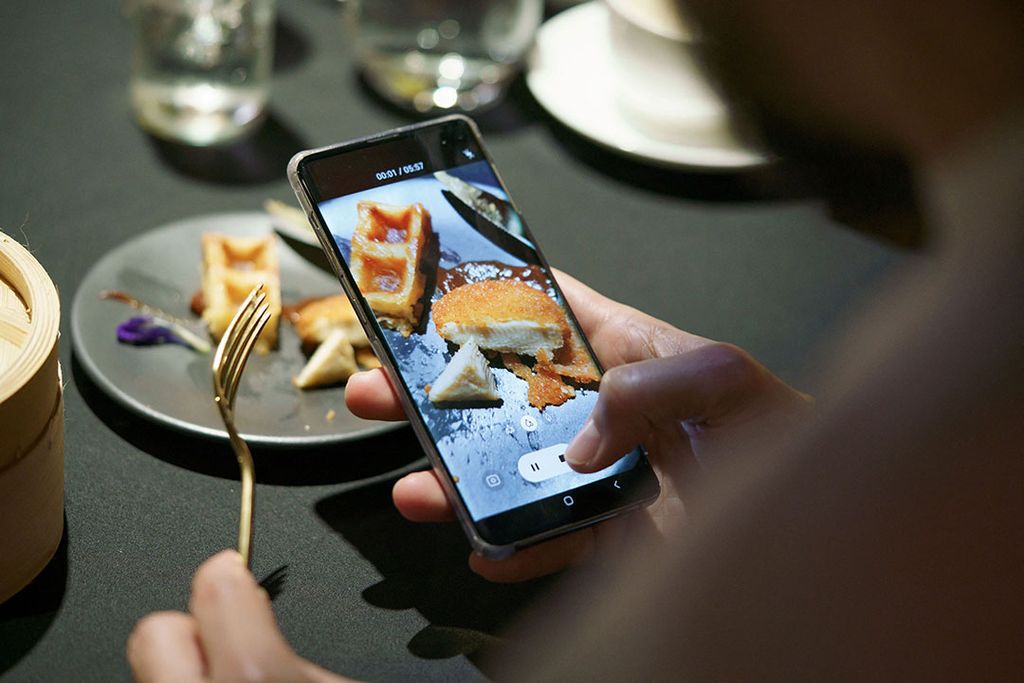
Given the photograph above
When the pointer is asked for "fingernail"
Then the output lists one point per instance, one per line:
(584, 447)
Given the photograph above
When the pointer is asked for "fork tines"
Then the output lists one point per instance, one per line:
(237, 342)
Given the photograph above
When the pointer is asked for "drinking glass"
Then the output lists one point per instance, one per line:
(432, 55)
(201, 68)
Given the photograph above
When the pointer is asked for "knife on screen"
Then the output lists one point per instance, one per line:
(494, 218)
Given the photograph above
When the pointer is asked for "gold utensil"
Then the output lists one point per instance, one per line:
(228, 362)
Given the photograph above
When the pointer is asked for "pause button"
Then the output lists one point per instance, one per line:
(544, 464)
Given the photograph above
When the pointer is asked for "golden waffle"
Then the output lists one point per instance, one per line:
(232, 266)
(387, 250)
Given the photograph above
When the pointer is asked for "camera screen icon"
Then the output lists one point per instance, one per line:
(493, 480)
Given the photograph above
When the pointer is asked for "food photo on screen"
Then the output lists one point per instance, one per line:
(481, 336)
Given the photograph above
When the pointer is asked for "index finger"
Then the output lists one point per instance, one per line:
(621, 334)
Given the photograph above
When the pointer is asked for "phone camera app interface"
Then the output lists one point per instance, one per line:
(482, 339)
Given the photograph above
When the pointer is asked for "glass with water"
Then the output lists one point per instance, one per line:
(433, 55)
(201, 68)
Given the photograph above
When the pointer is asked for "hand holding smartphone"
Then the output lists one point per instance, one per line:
(488, 360)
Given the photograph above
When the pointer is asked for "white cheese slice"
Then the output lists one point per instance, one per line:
(333, 362)
(466, 378)
(512, 336)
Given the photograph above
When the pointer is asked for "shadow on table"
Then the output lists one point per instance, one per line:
(426, 569)
(344, 462)
(291, 46)
(260, 158)
(26, 617)
(864, 189)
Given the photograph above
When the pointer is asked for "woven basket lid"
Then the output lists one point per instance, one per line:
(29, 329)
(14, 323)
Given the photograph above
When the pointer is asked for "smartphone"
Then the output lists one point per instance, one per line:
(462, 310)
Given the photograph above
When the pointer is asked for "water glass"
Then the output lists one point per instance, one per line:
(201, 68)
(436, 55)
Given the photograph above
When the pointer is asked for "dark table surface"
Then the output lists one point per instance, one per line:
(754, 259)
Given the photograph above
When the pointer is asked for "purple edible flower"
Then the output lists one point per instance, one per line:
(153, 326)
(145, 330)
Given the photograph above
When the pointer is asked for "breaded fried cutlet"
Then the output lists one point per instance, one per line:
(508, 316)
(315, 319)
(544, 385)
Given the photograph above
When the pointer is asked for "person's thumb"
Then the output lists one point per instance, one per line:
(702, 386)
(237, 628)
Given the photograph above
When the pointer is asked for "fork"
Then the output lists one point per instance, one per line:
(228, 362)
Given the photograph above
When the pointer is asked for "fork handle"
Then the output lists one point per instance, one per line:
(246, 511)
(246, 476)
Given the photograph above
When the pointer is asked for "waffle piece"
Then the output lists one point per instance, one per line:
(314, 320)
(388, 247)
(232, 266)
(502, 315)
(466, 378)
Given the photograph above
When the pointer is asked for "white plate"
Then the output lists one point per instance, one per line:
(570, 73)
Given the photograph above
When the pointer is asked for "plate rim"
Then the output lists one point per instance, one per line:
(580, 13)
(112, 391)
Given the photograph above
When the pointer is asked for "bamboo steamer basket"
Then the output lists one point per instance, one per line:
(31, 419)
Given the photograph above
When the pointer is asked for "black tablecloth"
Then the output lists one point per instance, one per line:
(750, 258)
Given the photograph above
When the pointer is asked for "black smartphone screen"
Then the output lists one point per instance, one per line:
(477, 331)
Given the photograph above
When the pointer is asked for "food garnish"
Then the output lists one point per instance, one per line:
(154, 326)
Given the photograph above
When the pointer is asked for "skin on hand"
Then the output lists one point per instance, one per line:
(670, 390)
(229, 634)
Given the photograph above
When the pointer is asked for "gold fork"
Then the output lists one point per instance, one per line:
(228, 362)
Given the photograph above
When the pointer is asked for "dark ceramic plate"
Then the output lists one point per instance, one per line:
(171, 384)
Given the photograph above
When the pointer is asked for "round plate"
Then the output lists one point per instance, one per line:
(570, 72)
(172, 384)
